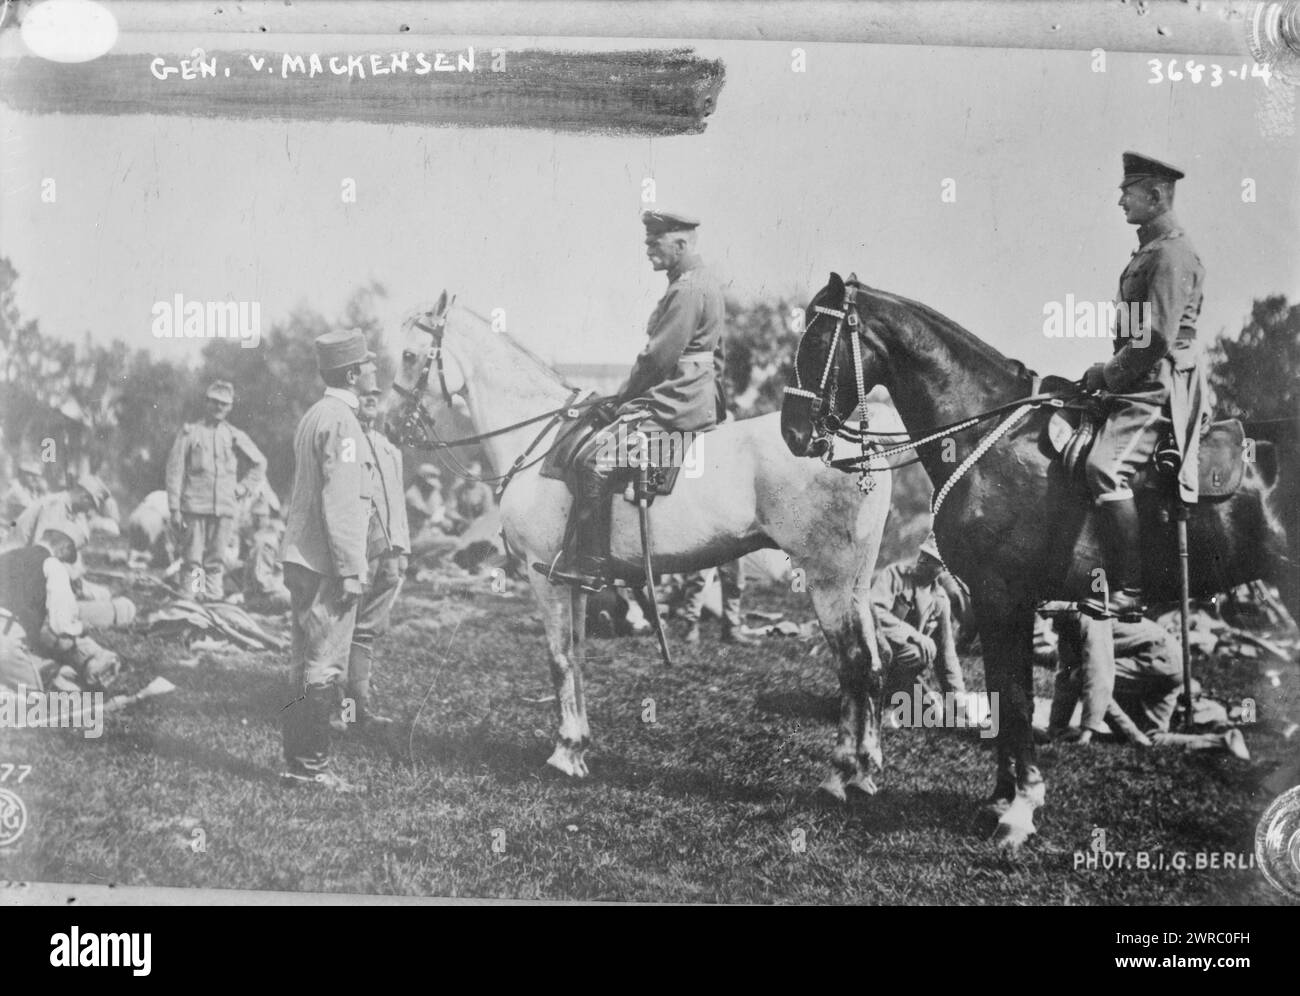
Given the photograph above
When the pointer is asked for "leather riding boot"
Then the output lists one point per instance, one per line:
(588, 567)
(307, 738)
(1122, 554)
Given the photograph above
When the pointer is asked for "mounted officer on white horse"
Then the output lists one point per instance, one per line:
(673, 392)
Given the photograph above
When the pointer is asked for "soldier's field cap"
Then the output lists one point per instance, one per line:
(222, 390)
(427, 472)
(335, 350)
(930, 548)
(97, 490)
(663, 222)
(1139, 167)
(31, 467)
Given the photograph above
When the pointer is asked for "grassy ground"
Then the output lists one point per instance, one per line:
(706, 804)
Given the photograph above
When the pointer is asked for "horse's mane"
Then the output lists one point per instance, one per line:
(537, 362)
(968, 340)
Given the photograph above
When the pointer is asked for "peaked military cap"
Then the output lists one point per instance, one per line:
(663, 222)
(336, 350)
(1139, 167)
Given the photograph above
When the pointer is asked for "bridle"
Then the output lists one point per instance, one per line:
(827, 421)
(417, 424)
(417, 428)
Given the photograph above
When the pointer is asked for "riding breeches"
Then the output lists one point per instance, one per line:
(620, 444)
(1127, 440)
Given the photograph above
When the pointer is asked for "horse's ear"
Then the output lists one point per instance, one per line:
(836, 285)
(441, 304)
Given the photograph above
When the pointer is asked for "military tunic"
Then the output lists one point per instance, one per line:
(325, 537)
(675, 375)
(1166, 278)
(674, 381)
(204, 487)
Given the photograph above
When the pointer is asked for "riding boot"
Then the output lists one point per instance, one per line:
(588, 568)
(307, 739)
(1122, 554)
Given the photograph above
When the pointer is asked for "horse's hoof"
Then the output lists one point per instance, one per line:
(863, 783)
(567, 762)
(1010, 839)
(833, 786)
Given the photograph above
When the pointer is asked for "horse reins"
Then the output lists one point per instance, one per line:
(418, 417)
(869, 459)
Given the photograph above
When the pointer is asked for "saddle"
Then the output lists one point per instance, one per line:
(560, 465)
(1221, 456)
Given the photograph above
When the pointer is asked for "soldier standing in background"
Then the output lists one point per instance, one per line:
(204, 490)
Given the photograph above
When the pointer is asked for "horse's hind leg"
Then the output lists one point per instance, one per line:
(857, 740)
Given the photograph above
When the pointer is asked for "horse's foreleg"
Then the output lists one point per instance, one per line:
(1008, 667)
(843, 634)
(872, 669)
(558, 616)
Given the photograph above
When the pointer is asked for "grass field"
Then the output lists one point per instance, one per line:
(706, 804)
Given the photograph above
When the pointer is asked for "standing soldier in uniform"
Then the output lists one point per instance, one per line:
(324, 555)
(672, 388)
(387, 544)
(204, 489)
(1154, 363)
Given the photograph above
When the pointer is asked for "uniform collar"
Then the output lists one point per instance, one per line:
(347, 397)
(689, 261)
(1156, 227)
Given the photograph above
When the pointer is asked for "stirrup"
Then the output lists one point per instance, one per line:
(590, 583)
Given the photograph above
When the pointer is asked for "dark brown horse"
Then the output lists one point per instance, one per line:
(1007, 524)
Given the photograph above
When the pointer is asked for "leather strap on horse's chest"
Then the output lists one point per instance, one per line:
(567, 412)
(983, 447)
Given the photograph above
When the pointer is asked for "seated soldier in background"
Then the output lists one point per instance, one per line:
(1145, 686)
(431, 530)
(39, 625)
(62, 509)
(470, 499)
(424, 506)
(24, 492)
(914, 616)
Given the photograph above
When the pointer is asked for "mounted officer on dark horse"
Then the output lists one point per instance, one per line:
(1013, 520)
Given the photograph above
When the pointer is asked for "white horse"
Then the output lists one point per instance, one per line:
(750, 493)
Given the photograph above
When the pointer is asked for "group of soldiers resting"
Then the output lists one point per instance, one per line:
(215, 511)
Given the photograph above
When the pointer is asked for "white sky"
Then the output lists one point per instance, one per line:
(796, 174)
